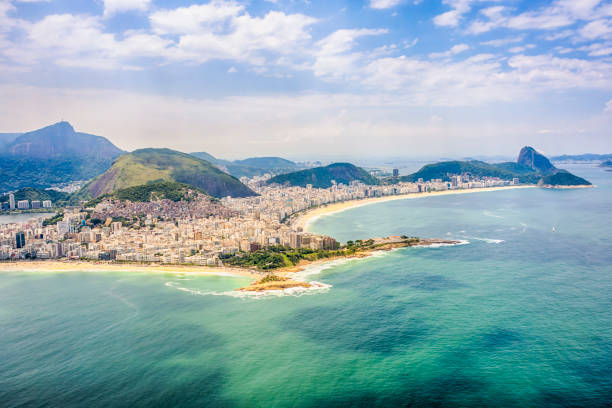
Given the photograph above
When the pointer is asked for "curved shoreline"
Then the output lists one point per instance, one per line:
(305, 219)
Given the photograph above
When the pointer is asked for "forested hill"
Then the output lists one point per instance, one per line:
(153, 165)
(53, 154)
(321, 177)
(530, 168)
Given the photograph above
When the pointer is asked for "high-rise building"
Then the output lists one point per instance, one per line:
(46, 204)
(11, 201)
(20, 240)
(395, 173)
(23, 204)
(35, 203)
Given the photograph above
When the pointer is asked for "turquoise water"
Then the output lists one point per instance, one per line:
(520, 316)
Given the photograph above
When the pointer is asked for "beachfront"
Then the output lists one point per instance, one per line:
(306, 218)
(93, 266)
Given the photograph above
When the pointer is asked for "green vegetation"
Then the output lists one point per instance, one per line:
(268, 163)
(255, 166)
(51, 155)
(321, 177)
(20, 171)
(531, 168)
(563, 178)
(270, 278)
(29, 193)
(443, 170)
(163, 165)
(53, 220)
(151, 192)
(279, 256)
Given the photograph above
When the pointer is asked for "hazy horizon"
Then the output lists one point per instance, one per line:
(298, 79)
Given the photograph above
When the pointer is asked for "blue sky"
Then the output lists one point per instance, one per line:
(314, 78)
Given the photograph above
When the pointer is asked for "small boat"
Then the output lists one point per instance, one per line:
(553, 230)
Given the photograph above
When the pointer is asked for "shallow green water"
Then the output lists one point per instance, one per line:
(520, 316)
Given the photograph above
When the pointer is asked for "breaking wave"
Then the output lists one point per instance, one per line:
(317, 287)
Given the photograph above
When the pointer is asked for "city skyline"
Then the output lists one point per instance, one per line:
(301, 79)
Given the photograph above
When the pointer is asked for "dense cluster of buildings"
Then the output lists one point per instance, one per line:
(200, 231)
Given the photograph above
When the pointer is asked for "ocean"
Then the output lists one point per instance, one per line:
(520, 315)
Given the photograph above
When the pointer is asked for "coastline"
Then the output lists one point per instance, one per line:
(90, 266)
(305, 219)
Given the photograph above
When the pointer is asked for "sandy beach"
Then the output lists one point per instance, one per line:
(84, 266)
(305, 219)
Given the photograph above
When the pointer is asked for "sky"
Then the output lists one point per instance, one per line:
(314, 79)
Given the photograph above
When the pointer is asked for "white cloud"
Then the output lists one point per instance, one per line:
(196, 34)
(561, 13)
(332, 56)
(384, 4)
(454, 50)
(598, 49)
(195, 18)
(117, 6)
(608, 107)
(224, 30)
(597, 29)
(410, 44)
(503, 41)
(343, 40)
(80, 41)
(451, 18)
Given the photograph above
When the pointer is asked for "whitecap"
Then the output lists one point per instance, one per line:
(440, 245)
(316, 287)
(489, 240)
(316, 269)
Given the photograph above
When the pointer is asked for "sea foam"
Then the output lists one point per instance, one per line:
(316, 287)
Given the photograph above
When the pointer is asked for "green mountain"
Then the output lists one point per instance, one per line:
(53, 154)
(151, 192)
(61, 140)
(563, 178)
(270, 163)
(530, 158)
(153, 165)
(530, 168)
(255, 166)
(321, 177)
(29, 193)
(443, 171)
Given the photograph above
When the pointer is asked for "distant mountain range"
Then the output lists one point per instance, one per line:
(53, 154)
(144, 166)
(606, 164)
(581, 158)
(531, 167)
(321, 177)
(254, 166)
